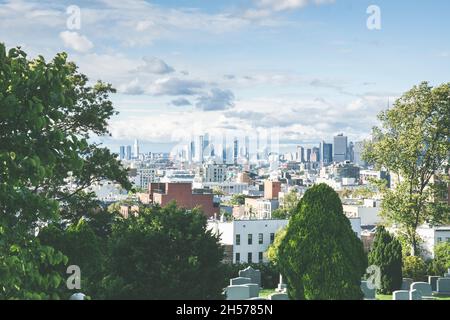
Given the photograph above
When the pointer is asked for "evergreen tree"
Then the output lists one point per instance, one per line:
(387, 255)
(320, 256)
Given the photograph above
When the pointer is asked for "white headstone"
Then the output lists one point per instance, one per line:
(251, 273)
(278, 296)
(240, 280)
(238, 292)
(424, 288)
(400, 295)
(369, 294)
(443, 286)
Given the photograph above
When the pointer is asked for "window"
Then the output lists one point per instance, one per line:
(249, 257)
(260, 257)
(272, 237)
(238, 257)
(238, 239)
(439, 239)
(260, 238)
(250, 238)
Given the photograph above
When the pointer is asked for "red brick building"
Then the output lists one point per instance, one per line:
(183, 195)
(271, 189)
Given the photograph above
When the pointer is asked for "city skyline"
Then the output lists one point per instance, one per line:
(311, 68)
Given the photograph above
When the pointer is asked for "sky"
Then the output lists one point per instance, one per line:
(309, 69)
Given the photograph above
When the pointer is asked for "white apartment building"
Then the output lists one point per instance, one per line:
(211, 172)
(431, 236)
(368, 212)
(228, 187)
(248, 240)
(144, 176)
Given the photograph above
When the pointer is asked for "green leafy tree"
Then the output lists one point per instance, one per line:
(413, 145)
(320, 256)
(83, 248)
(164, 253)
(48, 113)
(386, 253)
(441, 262)
(290, 203)
(414, 267)
(237, 199)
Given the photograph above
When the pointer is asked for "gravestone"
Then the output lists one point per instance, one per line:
(254, 289)
(282, 287)
(423, 288)
(443, 286)
(369, 294)
(238, 292)
(253, 274)
(278, 296)
(240, 280)
(400, 295)
(406, 283)
(415, 295)
(78, 296)
(432, 280)
(446, 275)
(257, 298)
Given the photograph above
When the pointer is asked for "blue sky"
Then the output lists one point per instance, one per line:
(309, 68)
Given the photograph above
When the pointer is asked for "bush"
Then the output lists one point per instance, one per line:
(415, 268)
(441, 262)
(387, 254)
(320, 256)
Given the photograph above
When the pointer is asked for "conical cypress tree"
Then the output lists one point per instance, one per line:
(386, 253)
(320, 256)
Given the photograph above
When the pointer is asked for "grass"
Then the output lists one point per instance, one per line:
(264, 293)
(389, 297)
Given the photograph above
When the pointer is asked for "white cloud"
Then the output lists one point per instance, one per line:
(154, 65)
(280, 5)
(76, 41)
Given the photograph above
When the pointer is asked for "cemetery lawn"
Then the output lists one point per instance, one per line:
(264, 293)
(389, 297)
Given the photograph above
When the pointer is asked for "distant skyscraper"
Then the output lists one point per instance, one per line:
(128, 153)
(326, 152)
(201, 148)
(191, 153)
(357, 152)
(350, 152)
(122, 153)
(308, 155)
(247, 148)
(315, 155)
(300, 155)
(340, 148)
(136, 148)
(235, 150)
(224, 148)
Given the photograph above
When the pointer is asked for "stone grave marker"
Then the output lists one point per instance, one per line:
(400, 295)
(432, 280)
(238, 292)
(253, 274)
(443, 286)
(423, 288)
(278, 296)
(239, 281)
(369, 294)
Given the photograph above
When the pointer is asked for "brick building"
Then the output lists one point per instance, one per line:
(183, 195)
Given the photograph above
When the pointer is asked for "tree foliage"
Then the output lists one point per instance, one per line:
(164, 253)
(441, 262)
(48, 115)
(386, 253)
(413, 145)
(414, 267)
(320, 256)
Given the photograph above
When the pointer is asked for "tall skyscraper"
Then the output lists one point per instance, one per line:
(308, 155)
(235, 150)
(340, 148)
(357, 152)
(136, 148)
(224, 148)
(201, 148)
(300, 155)
(191, 153)
(350, 152)
(326, 151)
(247, 148)
(122, 153)
(128, 153)
(315, 155)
